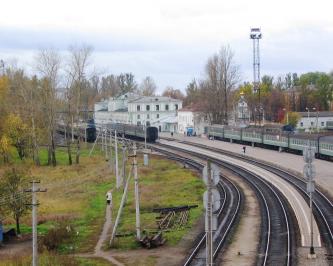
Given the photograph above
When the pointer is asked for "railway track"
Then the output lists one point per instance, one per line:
(278, 239)
(229, 212)
(323, 204)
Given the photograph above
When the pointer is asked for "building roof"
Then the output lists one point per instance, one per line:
(315, 114)
(153, 99)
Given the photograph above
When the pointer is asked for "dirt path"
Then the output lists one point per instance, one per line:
(102, 238)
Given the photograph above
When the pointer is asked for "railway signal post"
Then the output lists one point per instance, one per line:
(309, 174)
(211, 199)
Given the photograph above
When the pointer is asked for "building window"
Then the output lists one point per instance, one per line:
(311, 123)
(147, 116)
(147, 107)
(157, 107)
(158, 116)
(166, 107)
(138, 123)
(322, 124)
(176, 106)
(148, 124)
(138, 107)
(301, 124)
(138, 116)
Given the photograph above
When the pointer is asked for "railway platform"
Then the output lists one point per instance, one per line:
(324, 169)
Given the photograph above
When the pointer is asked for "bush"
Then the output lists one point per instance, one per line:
(56, 237)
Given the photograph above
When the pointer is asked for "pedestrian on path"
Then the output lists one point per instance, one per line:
(109, 197)
(244, 149)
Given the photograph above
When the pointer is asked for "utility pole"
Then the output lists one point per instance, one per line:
(34, 204)
(106, 144)
(111, 159)
(209, 220)
(136, 188)
(123, 166)
(123, 199)
(116, 157)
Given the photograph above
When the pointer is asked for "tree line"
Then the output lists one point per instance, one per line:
(217, 95)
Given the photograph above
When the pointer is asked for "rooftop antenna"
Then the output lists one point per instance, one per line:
(256, 35)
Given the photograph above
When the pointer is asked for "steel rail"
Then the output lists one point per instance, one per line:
(285, 216)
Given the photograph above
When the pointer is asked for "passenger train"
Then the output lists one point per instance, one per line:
(275, 137)
(134, 132)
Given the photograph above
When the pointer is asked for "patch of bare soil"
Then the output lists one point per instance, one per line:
(243, 249)
(18, 247)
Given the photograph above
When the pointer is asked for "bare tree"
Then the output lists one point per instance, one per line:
(147, 87)
(48, 64)
(173, 93)
(222, 76)
(77, 68)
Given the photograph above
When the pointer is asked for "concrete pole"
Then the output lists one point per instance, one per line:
(120, 209)
(34, 226)
(137, 199)
(209, 214)
(118, 184)
(106, 144)
(111, 159)
(72, 128)
(123, 166)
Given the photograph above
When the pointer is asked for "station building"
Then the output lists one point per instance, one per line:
(314, 120)
(130, 108)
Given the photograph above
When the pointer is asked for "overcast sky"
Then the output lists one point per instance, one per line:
(170, 40)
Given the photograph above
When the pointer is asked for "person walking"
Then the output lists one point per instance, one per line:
(109, 198)
(244, 149)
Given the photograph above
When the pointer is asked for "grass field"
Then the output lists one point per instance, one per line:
(76, 196)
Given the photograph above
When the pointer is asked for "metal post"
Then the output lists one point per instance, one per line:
(136, 188)
(209, 214)
(116, 158)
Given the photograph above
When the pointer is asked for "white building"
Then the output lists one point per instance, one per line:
(191, 121)
(314, 120)
(157, 111)
(160, 112)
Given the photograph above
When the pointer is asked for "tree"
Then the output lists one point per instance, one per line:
(77, 71)
(147, 87)
(222, 77)
(173, 93)
(13, 184)
(193, 93)
(48, 65)
(17, 132)
(127, 83)
(293, 118)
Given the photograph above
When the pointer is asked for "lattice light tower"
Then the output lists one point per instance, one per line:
(256, 35)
